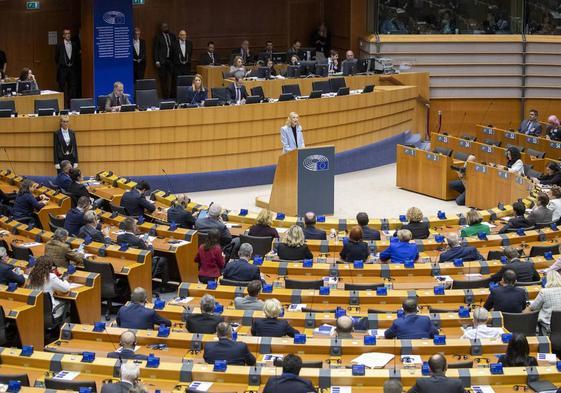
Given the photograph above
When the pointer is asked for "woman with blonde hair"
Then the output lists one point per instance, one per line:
(475, 224)
(418, 228)
(293, 246)
(292, 137)
(547, 300)
(264, 225)
(196, 93)
(271, 325)
(237, 68)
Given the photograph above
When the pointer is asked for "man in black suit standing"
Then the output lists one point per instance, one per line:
(128, 346)
(438, 381)
(209, 57)
(234, 352)
(67, 58)
(163, 51)
(182, 51)
(310, 230)
(139, 55)
(289, 380)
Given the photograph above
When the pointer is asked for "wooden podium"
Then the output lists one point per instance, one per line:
(304, 181)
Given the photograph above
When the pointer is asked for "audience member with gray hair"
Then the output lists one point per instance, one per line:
(344, 327)
(59, 251)
(240, 269)
(480, 328)
(525, 270)
(204, 322)
(213, 220)
(271, 325)
(135, 315)
(393, 386)
(401, 251)
(89, 229)
(456, 250)
(234, 352)
(129, 379)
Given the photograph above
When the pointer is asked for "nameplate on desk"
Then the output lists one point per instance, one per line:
(410, 152)
(488, 131)
(555, 145)
(442, 138)
(510, 135)
(481, 168)
(503, 174)
(465, 143)
(532, 139)
(486, 149)
(432, 156)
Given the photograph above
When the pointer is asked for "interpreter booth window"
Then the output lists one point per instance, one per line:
(448, 16)
(543, 17)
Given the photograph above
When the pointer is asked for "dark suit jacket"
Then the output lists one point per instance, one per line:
(160, 48)
(111, 101)
(7, 275)
(354, 251)
(178, 56)
(74, 221)
(411, 326)
(181, 217)
(294, 253)
(507, 299)
(62, 60)
(206, 60)
(272, 327)
(437, 384)
(312, 233)
(77, 190)
(467, 253)
(132, 240)
(232, 92)
(525, 271)
(516, 222)
(369, 233)
(62, 151)
(95, 234)
(206, 224)
(195, 97)
(136, 316)
(25, 205)
(135, 203)
(120, 387)
(233, 352)
(535, 127)
(420, 230)
(241, 270)
(202, 323)
(126, 354)
(141, 57)
(551, 179)
(288, 383)
(63, 180)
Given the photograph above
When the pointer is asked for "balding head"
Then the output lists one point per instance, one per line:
(409, 305)
(224, 330)
(128, 340)
(453, 239)
(393, 386)
(344, 324)
(310, 218)
(437, 363)
(138, 295)
(471, 158)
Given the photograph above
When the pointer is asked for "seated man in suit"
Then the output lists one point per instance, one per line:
(438, 381)
(75, 217)
(250, 302)
(344, 327)
(367, 232)
(310, 230)
(411, 325)
(116, 98)
(135, 315)
(237, 91)
(289, 380)
(159, 264)
(531, 125)
(135, 202)
(507, 297)
(130, 372)
(457, 250)
(63, 178)
(128, 347)
(213, 220)
(209, 57)
(206, 321)
(393, 386)
(525, 271)
(178, 214)
(480, 328)
(234, 352)
(9, 273)
(240, 269)
(90, 229)
(519, 220)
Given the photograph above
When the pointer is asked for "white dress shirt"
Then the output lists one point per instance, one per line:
(136, 44)
(65, 136)
(182, 47)
(517, 167)
(482, 331)
(68, 47)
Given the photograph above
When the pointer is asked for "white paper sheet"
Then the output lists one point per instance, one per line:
(373, 359)
(66, 375)
(200, 386)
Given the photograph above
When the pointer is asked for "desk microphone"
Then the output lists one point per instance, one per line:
(170, 188)
(486, 112)
(461, 128)
(9, 160)
(439, 122)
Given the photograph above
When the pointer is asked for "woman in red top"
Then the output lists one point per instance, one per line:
(210, 258)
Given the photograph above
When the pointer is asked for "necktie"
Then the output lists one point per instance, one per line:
(529, 127)
(166, 37)
(211, 57)
(238, 95)
(118, 100)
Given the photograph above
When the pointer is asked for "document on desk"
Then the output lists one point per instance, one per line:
(373, 359)
(230, 225)
(482, 389)
(30, 244)
(200, 386)
(269, 357)
(120, 349)
(377, 332)
(341, 389)
(182, 300)
(74, 285)
(66, 375)
(296, 307)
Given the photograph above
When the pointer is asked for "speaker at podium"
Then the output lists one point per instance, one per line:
(304, 181)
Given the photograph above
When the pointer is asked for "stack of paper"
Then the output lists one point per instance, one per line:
(75, 285)
(182, 300)
(297, 307)
(30, 244)
(66, 375)
(547, 357)
(200, 386)
(374, 359)
(325, 330)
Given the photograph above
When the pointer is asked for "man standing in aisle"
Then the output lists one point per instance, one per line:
(67, 58)
(163, 50)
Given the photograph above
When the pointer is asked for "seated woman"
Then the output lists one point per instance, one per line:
(59, 251)
(271, 66)
(76, 188)
(237, 68)
(555, 203)
(45, 277)
(196, 93)
(519, 220)
(547, 301)
(400, 250)
(293, 246)
(25, 204)
(514, 163)
(210, 257)
(517, 353)
(475, 225)
(553, 130)
(271, 326)
(552, 175)
(263, 225)
(418, 228)
(540, 214)
(27, 76)
(354, 249)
